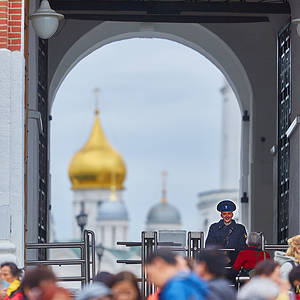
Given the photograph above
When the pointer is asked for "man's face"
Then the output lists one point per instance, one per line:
(200, 269)
(159, 272)
(154, 274)
(227, 216)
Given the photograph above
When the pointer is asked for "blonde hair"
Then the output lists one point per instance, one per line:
(294, 242)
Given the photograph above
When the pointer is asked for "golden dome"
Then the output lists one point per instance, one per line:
(97, 164)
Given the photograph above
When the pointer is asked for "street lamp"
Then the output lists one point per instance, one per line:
(99, 251)
(82, 220)
(45, 20)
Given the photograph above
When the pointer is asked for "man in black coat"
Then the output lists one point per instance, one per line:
(227, 233)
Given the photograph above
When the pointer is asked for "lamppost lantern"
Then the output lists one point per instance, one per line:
(99, 251)
(45, 20)
(82, 220)
(297, 23)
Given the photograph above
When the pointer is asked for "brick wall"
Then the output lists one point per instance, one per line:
(10, 24)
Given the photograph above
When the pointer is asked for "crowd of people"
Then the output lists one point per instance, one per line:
(206, 276)
(214, 273)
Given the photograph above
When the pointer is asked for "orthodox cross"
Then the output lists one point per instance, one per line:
(97, 91)
(164, 189)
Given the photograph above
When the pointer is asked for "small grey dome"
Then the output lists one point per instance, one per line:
(112, 210)
(163, 213)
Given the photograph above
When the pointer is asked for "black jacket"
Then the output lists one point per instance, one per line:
(231, 236)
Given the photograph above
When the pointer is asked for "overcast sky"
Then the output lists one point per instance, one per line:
(160, 106)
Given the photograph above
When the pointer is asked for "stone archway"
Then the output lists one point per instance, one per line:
(194, 36)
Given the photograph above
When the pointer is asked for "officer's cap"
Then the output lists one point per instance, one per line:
(226, 205)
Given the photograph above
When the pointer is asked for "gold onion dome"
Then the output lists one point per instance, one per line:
(97, 164)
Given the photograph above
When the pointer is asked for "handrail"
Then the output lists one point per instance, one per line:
(54, 245)
(275, 247)
(87, 249)
(56, 262)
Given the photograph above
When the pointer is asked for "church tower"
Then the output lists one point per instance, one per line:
(97, 173)
(229, 163)
(163, 216)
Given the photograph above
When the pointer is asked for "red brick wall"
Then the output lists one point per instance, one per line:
(10, 24)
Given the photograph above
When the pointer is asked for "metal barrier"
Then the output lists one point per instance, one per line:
(149, 243)
(87, 257)
(195, 240)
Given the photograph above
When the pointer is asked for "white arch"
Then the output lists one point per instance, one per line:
(194, 36)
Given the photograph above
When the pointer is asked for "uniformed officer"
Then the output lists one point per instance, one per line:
(227, 233)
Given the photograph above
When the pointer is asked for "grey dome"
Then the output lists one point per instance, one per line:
(112, 210)
(163, 213)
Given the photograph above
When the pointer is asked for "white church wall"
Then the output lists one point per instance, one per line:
(111, 232)
(91, 199)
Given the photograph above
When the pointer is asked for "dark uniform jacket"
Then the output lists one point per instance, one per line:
(232, 236)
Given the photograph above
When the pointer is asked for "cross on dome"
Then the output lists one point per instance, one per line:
(164, 189)
(96, 92)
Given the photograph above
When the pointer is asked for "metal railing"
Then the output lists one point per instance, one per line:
(86, 260)
(149, 243)
(195, 240)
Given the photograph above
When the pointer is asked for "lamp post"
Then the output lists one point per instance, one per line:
(82, 220)
(45, 20)
(99, 251)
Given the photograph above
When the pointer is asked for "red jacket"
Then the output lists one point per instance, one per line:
(249, 258)
(17, 295)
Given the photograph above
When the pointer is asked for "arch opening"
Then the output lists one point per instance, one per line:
(193, 36)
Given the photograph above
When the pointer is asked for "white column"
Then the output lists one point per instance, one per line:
(12, 156)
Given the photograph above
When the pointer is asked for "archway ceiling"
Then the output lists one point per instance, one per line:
(197, 11)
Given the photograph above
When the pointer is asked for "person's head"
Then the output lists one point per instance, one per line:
(254, 240)
(161, 265)
(294, 279)
(268, 269)
(210, 263)
(259, 289)
(124, 286)
(39, 281)
(294, 247)
(226, 207)
(10, 272)
(104, 277)
(184, 263)
(95, 291)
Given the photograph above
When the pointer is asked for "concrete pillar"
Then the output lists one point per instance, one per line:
(11, 156)
(262, 137)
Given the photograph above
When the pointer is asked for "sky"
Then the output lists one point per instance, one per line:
(160, 107)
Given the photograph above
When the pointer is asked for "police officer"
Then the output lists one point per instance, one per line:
(227, 233)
